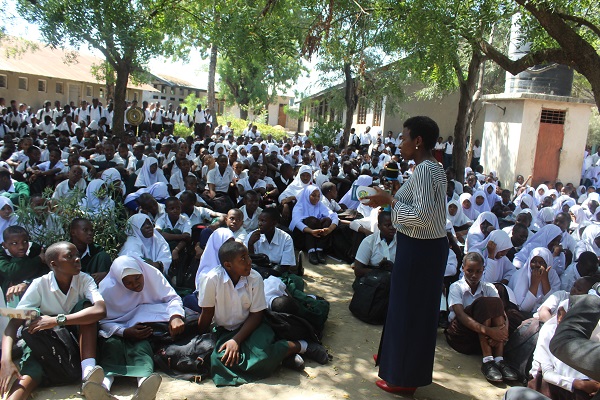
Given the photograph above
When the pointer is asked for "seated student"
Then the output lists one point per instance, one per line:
(136, 294)
(72, 185)
(377, 250)
(504, 207)
(24, 171)
(251, 210)
(149, 174)
(551, 376)
(159, 191)
(94, 260)
(548, 237)
(42, 223)
(272, 193)
(113, 179)
(177, 179)
(12, 189)
(144, 241)
(589, 241)
(7, 216)
(535, 281)
(289, 197)
(43, 174)
(63, 297)
(586, 265)
(465, 200)
(286, 174)
(485, 223)
(480, 203)
(149, 206)
(272, 241)
(477, 320)
(191, 183)
(20, 261)
(498, 268)
(312, 224)
(252, 182)
(233, 294)
(329, 191)
(235, 222)
(460, 222)
(175, 228)
(198, 215)
(549, 308)
(210, 255)
(97, 200)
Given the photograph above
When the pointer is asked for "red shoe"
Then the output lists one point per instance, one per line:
(381, 384)
(375, 358)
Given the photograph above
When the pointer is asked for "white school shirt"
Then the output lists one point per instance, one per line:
(274, 287)
(245, 183)
(554, 371)
(552, 302)
(331, 204)
(373, 249)
(233, 303)
(280, 250)
(82, 113)
(568, 278)
(96, 113)
(62, 189)
(476, 152)
(250, 224)
(449, 147)
(44, 293)
(365, 138)
(321, 178)
(158, 116)
(183, 224)
(199, 116)
(221, 182)
(460, 293)
(176, 180)
(199, 216)
(240, 235)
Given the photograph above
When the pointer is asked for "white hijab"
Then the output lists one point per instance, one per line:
(470, 212)
(521, 279)
(539, 198)
(210, 257)
(154, 248)
(157, 302)
(304, 208)
(158, 190)
(475, 236)
(587, 239)
(111, 175)
(91, 203)
(296, 186)
(362, 180)
(541, 238)
(146, 178)
(545, 216)
(526, 199)
(12, 220)
(491, 198)
(484, 206)
(460, 218)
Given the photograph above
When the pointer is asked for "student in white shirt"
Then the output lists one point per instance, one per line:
(330, 193)
(220, 177)
(197, 215)
(252, 182)
(251, 210)
(448, 149)
(549, 308)
(586, 265)
(272, 241)
(478, 322)
(377, 250)
(61, 296)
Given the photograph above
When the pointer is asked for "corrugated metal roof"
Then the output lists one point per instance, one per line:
(52, 63)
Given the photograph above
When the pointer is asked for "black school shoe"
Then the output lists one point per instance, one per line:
(312, 258)
(321, 257)
(317, 352)
(508, 373)
(491, 372)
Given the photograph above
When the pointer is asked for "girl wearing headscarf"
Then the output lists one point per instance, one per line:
(466, 203)
(578, 216)
(135, 294)
(545, 216)
(548, 237)
(455, 214)
(146, 242)
(112, 176)
(480, 202)
(312, 224)
(525, 202)
(289, 196)
(490, 194)
(96, 198)
(480, 230)
(581, 195)
(7, 216)
(590, 239)
(540, 193)
(362, 180)
(150, 174)
(158, 190)
(210, 256)
(590, 205)
(498, 267)
(563, 204)
(536, 281)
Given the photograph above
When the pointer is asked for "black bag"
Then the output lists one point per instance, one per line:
(187, 358)
(264, 266)
(290, 327)
(371, 296)
(518, 351)
(57, 351)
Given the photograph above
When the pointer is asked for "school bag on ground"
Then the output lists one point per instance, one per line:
(187, 359)
(57, 352)
(518, 351)
(371, 296)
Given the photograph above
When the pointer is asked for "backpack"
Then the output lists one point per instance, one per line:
(187, 358)
(518, 351)
(290, 327)
(371, 296)
(57, 352)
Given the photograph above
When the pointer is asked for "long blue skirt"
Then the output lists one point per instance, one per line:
(408, 340)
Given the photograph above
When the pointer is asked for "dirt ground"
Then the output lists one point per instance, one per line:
(351, 374)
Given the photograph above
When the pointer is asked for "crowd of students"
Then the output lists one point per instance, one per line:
(223, 223)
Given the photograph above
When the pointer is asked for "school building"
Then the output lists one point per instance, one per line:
(33, 76)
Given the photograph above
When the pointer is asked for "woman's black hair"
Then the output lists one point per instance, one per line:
(426, 128)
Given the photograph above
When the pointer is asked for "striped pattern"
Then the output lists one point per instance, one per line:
(420, 211)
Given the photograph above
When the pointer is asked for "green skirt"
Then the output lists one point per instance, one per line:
(260, 356)
(119, 356)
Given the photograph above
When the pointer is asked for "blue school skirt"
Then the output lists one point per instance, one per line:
(408, 339)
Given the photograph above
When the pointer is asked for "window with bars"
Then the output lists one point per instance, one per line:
(23, 83)
(377, 109)
(89, 91)
(59, 88)
(362, 112)
(3, 81)
(553, 116)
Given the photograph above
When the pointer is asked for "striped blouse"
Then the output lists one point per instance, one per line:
(420, 211)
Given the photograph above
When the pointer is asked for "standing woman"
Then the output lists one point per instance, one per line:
(407, 346)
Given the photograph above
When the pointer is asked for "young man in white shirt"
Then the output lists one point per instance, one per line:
(96, 111)
(378, 249)
(448, 149)
(157, 119)
(199, 121)
(272, 241)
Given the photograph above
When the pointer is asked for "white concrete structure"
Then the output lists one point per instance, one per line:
(535, 134)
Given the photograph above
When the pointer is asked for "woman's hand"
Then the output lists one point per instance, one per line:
(176, 326)
(138, 332)
(557, 250)
(7, 371)
(232, 353)
(378, 199)
(491, 249)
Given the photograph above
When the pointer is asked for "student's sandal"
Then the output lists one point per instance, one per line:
(148, 388)
(95, 375)
(383, 385)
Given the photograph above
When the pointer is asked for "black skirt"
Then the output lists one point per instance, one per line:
(408, 340)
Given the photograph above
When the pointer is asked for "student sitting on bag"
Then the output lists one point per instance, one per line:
(377, 250)
(272, 241)
(64, 296)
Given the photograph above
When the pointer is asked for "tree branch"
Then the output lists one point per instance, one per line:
(581, 21)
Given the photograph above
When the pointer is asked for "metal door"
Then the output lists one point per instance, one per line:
(549, 145)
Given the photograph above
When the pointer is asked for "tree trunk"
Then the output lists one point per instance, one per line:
(466, 108)
(351, 98)
(212, 71)
(122, 71)
(110, 83)
(243, 112)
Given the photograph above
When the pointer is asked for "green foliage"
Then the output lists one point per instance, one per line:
(47, 227)
(238, 125)
(180, 130)
(593, 138)
(325, 132)
(191, 102)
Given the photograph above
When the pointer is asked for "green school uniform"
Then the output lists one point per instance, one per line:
(313, 310)
(97, 261)
(21, 192)
(15, 270)
(123, 357)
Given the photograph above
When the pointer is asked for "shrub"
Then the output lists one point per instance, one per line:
(325, 133)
